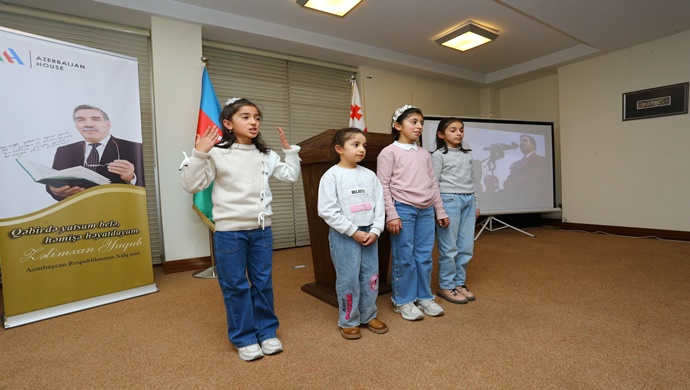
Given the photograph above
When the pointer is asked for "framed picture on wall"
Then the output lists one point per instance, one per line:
(654, 102)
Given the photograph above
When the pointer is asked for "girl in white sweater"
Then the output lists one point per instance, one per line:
(351, 203)
(239, 166)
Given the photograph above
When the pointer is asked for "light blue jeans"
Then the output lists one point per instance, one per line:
(242, 257)
(456, 242)
(357, 278)
(411, 254)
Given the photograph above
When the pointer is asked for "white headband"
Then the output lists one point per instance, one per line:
(232, 100)
(399, 112)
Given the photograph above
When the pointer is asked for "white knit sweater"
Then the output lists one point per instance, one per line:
(241, 194)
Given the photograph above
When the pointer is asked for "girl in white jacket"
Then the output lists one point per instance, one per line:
(239, 166)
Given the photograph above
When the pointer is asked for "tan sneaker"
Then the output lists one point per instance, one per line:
(452, 296)
(462, 290)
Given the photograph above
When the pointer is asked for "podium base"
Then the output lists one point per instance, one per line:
(321, 293)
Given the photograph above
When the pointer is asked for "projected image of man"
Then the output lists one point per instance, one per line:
(527, 175)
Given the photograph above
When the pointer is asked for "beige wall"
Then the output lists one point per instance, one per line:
(490, 102)
(383, 92)
(176, 52)
(536, 101)
(632, 173)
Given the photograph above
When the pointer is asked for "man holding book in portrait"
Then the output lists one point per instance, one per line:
(117, 160)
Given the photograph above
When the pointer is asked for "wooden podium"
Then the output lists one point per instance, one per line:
(317, 157)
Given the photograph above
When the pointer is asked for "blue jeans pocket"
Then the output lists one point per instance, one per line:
(226, 242)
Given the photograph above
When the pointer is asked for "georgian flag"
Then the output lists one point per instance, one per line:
(356, 110)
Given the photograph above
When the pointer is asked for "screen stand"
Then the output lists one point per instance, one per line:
(208, 273)
(488, 225)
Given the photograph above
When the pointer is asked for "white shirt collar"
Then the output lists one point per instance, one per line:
(407, 147)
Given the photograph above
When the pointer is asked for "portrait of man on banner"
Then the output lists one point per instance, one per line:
(117, 159)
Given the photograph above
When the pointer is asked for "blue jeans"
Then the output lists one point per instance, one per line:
(240, 255)
(456, 242)
(411, 254)
(357, 278)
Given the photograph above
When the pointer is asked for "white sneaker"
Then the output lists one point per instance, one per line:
(430, 307)
(409, 311)
(271, 346)
(250, 352)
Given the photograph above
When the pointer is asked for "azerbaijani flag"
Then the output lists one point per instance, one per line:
(356, 110)
(209, 114)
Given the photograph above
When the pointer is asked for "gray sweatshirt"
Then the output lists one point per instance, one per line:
(454, 172)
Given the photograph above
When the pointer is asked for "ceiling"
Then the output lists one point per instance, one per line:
(535, 36)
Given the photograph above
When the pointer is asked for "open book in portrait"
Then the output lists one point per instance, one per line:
(78, 176)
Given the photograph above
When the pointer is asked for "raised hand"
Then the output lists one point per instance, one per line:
(204, 143)
(284, 142)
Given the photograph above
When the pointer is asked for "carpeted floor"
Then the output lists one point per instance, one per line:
(564, 310)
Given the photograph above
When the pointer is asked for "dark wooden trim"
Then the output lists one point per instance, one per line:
(186, 265)
(551, 222)
(629, 231)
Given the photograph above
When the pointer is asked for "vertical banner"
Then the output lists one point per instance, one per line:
(73, 218)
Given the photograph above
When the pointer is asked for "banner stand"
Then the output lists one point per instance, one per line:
(63, 252)
(55, 311)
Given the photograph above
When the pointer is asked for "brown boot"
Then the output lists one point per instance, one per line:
(351, 333)
(377, 326)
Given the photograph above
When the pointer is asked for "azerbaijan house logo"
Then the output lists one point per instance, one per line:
(11, 56)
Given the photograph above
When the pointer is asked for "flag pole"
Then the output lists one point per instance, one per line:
(208, 273)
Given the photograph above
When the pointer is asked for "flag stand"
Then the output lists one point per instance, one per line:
(209, 112)
(208, 273)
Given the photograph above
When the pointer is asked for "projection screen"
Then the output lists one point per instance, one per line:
(511, 178)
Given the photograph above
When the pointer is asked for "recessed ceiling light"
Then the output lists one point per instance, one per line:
(467, 36)
(335, 7)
